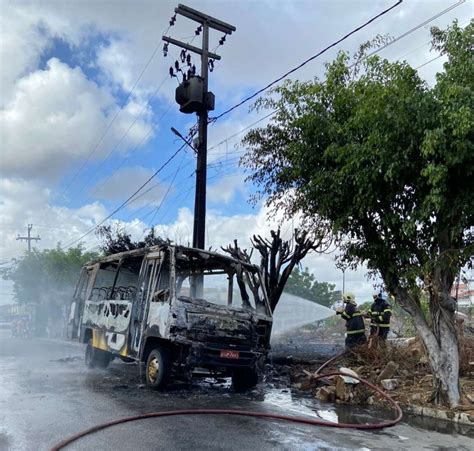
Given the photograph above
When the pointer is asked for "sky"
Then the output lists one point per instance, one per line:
(87, 104)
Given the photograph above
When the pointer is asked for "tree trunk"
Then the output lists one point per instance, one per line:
(442, 347)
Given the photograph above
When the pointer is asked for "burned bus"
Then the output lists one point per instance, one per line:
(177, 310)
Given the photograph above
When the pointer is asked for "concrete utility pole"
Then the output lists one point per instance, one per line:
(194, 97)
(28, 238)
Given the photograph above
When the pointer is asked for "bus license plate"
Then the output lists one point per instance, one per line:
(229, 354)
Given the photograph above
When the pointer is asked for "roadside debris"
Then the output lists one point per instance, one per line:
(389, 384)
(399, 368)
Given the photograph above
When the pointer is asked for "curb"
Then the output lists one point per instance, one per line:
(454, 417)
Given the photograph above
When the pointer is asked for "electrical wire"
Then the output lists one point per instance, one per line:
(126, 202)
(242, 130)
(157, 209)
(117, 144)
(94, 149)
(417, 27)
(269, 85)
(124, 160)
(428, 62)
(377, 50)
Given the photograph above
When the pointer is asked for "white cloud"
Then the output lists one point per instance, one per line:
(22, 41)
(125, 181)
(225, 189)
(27, 202)
(115, 61)
(58, 115)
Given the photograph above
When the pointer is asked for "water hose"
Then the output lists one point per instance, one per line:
(332, 359)
(246, 413)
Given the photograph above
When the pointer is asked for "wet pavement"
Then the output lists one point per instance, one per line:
(47, 394)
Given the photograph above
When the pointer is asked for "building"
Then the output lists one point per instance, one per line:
(465, 293)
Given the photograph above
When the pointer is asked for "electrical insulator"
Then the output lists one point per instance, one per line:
(173, 20)
(184, 77)
(211, 65)
(165, 49)
(183, 56)
(222, 40)
(188, 59)
(193, 70)
(176, 65)
(198, 30)
(171, 72)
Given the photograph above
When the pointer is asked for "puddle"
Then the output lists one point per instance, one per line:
(304, 405)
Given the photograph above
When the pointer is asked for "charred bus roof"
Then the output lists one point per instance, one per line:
(182, 253)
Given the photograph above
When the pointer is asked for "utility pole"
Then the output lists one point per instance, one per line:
(194, 97)
(28, 238)
(343, 280)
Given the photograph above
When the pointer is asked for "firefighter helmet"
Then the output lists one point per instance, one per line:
(349, 298)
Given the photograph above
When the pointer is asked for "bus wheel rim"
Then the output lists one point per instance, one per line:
(153, 368)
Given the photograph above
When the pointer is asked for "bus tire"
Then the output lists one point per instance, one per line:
(96, 358)
(244, 378)
(158, 368)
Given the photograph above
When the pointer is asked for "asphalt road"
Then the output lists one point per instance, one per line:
(46, 394)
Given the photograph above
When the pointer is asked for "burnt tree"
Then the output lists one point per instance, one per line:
(278, 257)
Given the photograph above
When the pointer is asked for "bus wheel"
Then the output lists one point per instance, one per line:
(244, 378)
(96, 358)
(158, 368)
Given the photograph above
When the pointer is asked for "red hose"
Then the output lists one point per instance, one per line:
(332, 359)
(246, 413)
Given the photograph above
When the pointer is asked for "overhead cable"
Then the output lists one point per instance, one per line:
(269, 85)
(126, 202)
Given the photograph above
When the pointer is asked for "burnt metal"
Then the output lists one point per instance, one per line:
(149, 309)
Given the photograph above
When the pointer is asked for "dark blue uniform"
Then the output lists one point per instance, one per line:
(355, 327)
(380, 313)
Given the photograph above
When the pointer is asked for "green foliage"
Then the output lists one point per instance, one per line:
(48, 276)
(302, 283)
(384, 159)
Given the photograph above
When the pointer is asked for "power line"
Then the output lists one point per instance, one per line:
(124, 160)
(94, 149)
(428, 62)
(150, 189)
(128, 199)
(242, 130)
(417, 27)
(393, 41)
(157, 209)
(355, 30)
(117, 144)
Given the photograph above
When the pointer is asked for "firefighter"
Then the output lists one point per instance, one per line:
(355, 327)
(379, 314)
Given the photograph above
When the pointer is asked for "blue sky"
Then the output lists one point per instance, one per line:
(69, 71)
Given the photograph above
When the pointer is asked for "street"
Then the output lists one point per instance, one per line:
(46, 394)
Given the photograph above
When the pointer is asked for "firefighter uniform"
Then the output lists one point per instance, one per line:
(380, 313)
(355, 327)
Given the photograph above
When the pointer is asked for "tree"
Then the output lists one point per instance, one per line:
(116, 239)
(388, 162)
(304, 284)
(279, 257)
(47, 278)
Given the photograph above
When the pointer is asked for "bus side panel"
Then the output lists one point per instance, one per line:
(157, 324)
(110, 322)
